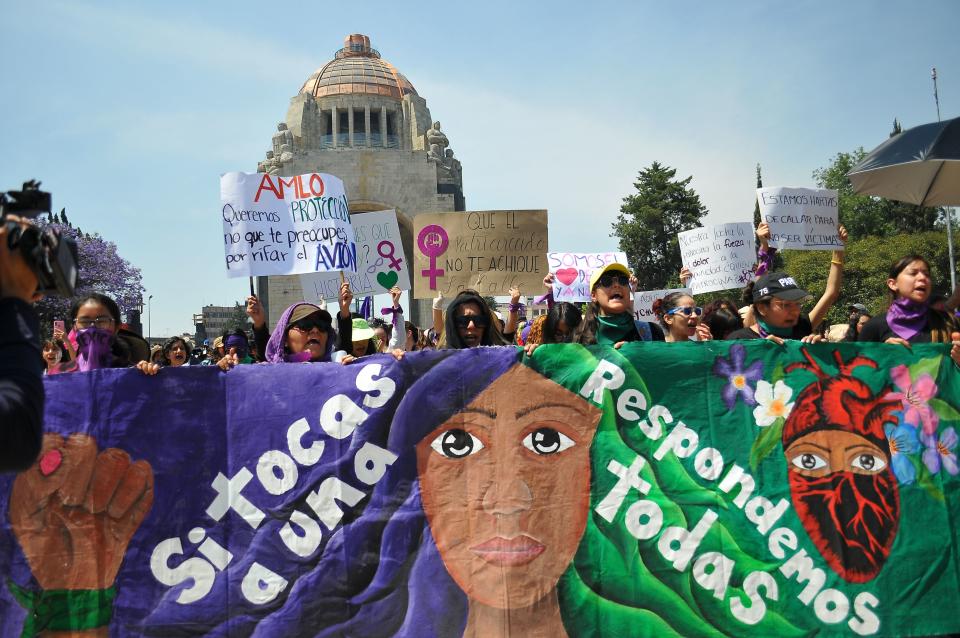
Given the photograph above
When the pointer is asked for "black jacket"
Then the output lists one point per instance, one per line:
(21, 385)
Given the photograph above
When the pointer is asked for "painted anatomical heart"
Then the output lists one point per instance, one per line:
(75, 510)
(841, 480)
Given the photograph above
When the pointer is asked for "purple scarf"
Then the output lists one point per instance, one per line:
(94, 349)
(907, 318)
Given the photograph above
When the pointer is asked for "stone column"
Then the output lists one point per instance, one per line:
(350, 124)
(366, 122)
(383, 126)
(335, 124)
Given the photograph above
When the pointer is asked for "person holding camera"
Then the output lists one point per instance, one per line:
(21, 366)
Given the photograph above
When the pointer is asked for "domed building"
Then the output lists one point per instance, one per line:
(357, 117)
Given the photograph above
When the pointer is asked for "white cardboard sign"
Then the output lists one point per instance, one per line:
(285, 225)
(571, 272)
(800, 218)
(720, 256)
(381, 263)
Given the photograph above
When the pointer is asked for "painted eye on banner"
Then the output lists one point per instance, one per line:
(456, 444)
(809, 462)
(869, 463)
(547, 441)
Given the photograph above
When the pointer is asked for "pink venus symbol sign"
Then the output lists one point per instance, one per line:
(432, 242)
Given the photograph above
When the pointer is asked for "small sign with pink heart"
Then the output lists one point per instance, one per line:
(571, 272)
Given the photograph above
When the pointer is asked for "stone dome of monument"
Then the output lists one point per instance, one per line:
(357, 68)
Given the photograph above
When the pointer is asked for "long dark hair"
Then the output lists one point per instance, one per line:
(851, 334)
(491, 334)
(414, 334)
(565, 312)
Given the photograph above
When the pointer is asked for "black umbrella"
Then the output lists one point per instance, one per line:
(920, 166)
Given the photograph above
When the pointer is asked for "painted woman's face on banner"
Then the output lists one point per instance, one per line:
(505, 485)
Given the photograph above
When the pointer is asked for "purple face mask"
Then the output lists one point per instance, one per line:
(94, 348)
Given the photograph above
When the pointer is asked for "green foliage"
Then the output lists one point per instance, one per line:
(868, 262)
(864, 215)
(238, 319)
(649, 221)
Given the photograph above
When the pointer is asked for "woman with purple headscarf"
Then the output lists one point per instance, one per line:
(304, 332)
(910, 318)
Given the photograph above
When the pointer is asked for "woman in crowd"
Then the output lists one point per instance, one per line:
(304, 332)
(467, 323)
(910, 319)
(413, 336)
(679, 316)
(858, 319)
(96, 320)
(237, 348)
(609, 318)
(175, 353)
(777, 304)
(53, 352)
(722, 317)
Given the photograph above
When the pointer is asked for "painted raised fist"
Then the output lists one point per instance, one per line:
(75, 510)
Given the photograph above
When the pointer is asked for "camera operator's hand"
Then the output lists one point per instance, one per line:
(16, 277)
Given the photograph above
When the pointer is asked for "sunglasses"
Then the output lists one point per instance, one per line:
(307, 324)
(464, 321)
(608, 279)
(687, 310)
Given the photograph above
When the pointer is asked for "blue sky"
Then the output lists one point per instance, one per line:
(129, 112)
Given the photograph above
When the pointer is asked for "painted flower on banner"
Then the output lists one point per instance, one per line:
(915, 396)
(740, 380)
(941, 451)
(773, 402)
(903, 442)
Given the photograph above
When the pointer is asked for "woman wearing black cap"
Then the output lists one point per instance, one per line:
(778, 302)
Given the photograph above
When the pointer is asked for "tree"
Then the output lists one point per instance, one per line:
(100, 269)
(649, 221)
(238, 319)
(864, 215)
(868, 262)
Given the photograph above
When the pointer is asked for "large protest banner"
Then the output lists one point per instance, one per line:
(800, 218)
(686, 489)
(720, 256)
(488, 251)
(571, 272)
(381, 264)
(285, 225)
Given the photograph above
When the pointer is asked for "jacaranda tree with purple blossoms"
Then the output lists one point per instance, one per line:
(101, 269)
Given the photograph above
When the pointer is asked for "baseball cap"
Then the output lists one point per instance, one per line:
(779, 285)
(361, 330)
(859, 307)
(612, 267)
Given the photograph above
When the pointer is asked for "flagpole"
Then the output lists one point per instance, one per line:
(948, 211)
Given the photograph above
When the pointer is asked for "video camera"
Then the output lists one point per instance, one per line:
(51, 256)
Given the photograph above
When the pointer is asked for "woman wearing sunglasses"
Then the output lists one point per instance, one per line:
(305, 331)
(679, 315)
(609, 318)
(469, 323)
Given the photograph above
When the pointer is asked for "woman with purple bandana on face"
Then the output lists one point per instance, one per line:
(96, 319)
(910, 318)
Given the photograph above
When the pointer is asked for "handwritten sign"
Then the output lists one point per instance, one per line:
(381, 264)
(285, 225)
(571, 272)
(800, 218)
(488, 251)
(720, 256)
(643, 301)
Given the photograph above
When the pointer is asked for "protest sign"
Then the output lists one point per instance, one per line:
(720, 256)
(643, 301)
(657, 490)
(488, 251)
(381, 264)
(285, 225)
(571, 272)
(800, 218)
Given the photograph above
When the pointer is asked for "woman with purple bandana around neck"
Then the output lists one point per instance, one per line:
(910, 319)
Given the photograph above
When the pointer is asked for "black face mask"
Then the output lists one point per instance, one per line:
(852, 519)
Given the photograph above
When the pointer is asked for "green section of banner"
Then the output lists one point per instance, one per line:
(848, 530)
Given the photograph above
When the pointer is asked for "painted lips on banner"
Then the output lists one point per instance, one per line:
(285, 225)
(800, 218)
